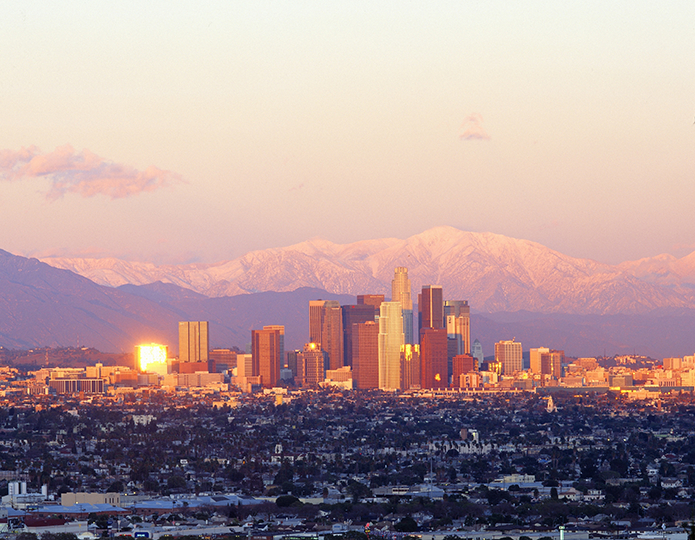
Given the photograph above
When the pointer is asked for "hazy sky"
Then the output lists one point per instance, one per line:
(198, 131)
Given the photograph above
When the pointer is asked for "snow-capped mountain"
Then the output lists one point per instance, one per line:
(492, 271)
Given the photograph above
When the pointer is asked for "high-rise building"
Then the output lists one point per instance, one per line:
(535, 359)
(352, 315)
(551, 363)
(315, 320)
(292, 363)
(267, 352)
(373, 300)
(391, 339)
(458, 324)
(365, 354)
(312, 364)
(410, 366)
(402, 292)
(326, 329)
(508, 354)
(430, 307)
(223, 359)
(193, 341)
(433, 349)
(244, 365)
(477, 352)
(462, 364)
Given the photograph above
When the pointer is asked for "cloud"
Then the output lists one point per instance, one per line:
(297, 187)
(554, 224)
(473, 129)
(81, 172)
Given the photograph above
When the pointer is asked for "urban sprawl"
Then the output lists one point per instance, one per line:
(371, 429)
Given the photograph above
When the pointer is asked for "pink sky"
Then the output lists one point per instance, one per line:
(188, 132)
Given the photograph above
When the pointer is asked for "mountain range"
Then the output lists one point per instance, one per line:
(494, 272)
(516, 288)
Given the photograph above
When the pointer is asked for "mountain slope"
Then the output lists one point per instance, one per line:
(492, 271)
(45, 306)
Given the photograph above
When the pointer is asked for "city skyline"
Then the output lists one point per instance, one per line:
(537, 121)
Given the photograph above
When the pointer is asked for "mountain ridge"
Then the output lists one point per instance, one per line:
(44, 306)
(494, 272)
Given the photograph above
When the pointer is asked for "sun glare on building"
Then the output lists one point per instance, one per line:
(152, 358)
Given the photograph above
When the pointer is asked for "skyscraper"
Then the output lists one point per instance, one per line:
(365, 354)
(546, 361)
(402, 292)
(477, 352)
(433, 349)
(430, 307)
(326, 329)
(458, 323)
(391, 339)
(373, 300)
(312, 364)
(193, 341)
(535, 359)
(462, 364)
(315, 320)
(410, 366)
(508, 354)
(267, 351)
(353, 314)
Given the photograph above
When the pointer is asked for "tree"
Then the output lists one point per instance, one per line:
(407, 524)
(283, 501)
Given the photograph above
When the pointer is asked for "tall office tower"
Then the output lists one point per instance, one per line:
(462, 364)
(326, 329)
(315, 320)
(410, 366)
(353, 314)
(267, 353)
(551, 363)
(293, 364)
(391, 338)
(365, 354)
(460, 325)
(244, 365)
(312, 364)
(433, 344)
(373, 300)
(477, 352)
(535, 359)
(281, 329)
(193, 341)
(430, 308)
(402, 292)
(222, 359)
(508, 354)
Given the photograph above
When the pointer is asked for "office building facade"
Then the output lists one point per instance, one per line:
(391, 339)
(401, 291)
(193, 341)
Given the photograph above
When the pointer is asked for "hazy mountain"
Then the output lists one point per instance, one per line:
(45, 306)
(494, 272)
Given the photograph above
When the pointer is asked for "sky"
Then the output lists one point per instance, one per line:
(176, 132)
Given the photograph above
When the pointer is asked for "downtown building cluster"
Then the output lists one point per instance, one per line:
(376, 343)
(372, 344)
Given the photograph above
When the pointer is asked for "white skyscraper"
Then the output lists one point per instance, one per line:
(402, 292)
(391, 338)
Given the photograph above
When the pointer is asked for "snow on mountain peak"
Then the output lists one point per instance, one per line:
(494, 272)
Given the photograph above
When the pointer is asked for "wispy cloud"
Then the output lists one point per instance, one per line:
(82, 172)
(473, 129)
